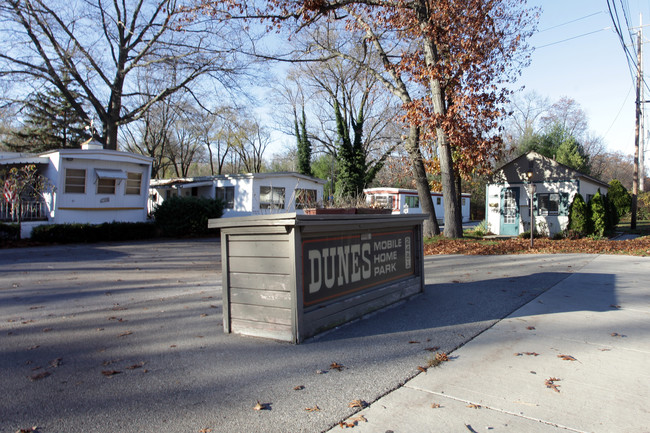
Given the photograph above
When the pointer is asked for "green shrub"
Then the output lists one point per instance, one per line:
(619, 197)
(579, 217)
(9, 231)
(643, 206)
(598, 214)
(187, 216)
(89, 233)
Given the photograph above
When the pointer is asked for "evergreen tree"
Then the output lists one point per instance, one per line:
(579, 216)
(598, 214)
(355, 171)
(558, 143)
(619, 197)
(51, 123)
(304, 146)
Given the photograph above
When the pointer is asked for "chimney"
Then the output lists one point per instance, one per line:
(91, 144)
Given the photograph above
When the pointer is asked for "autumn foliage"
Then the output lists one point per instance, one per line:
(638, 247)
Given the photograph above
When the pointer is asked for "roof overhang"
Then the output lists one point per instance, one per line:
(110, 174)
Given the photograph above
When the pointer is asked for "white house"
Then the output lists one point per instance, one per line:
(245, 194)
(553, 188)
(403, 201)
(91, 185)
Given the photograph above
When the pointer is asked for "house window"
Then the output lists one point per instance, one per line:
(133, 183)
(382, 201)
(271, 197)
(75, 180)
(305, 198)
(105, 186)
(412, 201)
(438, 201)
(227, 195)
(548, 204)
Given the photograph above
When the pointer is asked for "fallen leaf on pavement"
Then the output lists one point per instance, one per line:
(358, 419)
(336, 366)
(110, 372)
(530, 328)
(39, 376)
(615, 306)
(432, 349)
(312, 409)
(125, 333)
(435, 406)
(527, 353)
(358, 403)
(134, 366)
(298, 388)
(56, 362)
(205, 430)
(422, 369)
(414, 342)
(567, 357)
(262, 406)
(474, 406)
(550, 383)
(616, 334)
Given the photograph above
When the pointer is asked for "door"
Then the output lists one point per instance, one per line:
(509, 212)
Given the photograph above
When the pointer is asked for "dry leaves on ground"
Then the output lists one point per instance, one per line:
(550, 383)
(336, 366)
(567, 357)
(358, 403)
(638, 247)
(527, 353)
(313, 409)
(262, 406)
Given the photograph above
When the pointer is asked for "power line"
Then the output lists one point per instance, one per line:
(573, 37)
(572, 21)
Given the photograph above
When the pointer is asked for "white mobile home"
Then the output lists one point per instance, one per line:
(91, 185)
(245, 194)
(553, 187)
(403, 201)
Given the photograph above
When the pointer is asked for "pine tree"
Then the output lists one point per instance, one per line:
(51, 123)
(598, 214)
(619, 197)
(304, 146)
(579, 216)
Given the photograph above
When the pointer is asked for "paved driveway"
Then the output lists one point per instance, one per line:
(128, 337)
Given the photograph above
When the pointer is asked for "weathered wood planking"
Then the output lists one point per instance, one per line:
(357, 306)
(260, 270)
(263, 273)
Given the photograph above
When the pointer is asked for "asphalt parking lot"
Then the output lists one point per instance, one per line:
(128, 337)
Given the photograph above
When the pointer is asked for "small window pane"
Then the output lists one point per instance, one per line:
(75, 180)
(227, 195)
(271, 197)
(305, 198)
(105, 186)
(412, 201)
(133, 183)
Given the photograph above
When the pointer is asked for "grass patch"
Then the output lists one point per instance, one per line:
(642, 227)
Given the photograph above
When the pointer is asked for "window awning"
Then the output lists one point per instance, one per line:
(110, 174)
(195, 184)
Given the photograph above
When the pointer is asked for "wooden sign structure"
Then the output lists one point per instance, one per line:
(289, 277)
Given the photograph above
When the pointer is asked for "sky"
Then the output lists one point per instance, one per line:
(578, 55)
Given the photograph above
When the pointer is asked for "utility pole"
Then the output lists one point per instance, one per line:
(635, 177)
(642, 121)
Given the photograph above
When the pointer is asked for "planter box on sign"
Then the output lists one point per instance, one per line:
(289, 277)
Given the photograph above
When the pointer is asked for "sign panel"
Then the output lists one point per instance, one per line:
(337, 266)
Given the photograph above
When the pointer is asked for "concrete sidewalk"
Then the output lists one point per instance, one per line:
(575, 358)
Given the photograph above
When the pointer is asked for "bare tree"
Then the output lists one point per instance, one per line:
(100, 45)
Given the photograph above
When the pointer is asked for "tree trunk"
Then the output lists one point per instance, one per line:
(431, 227)
(453, 227)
